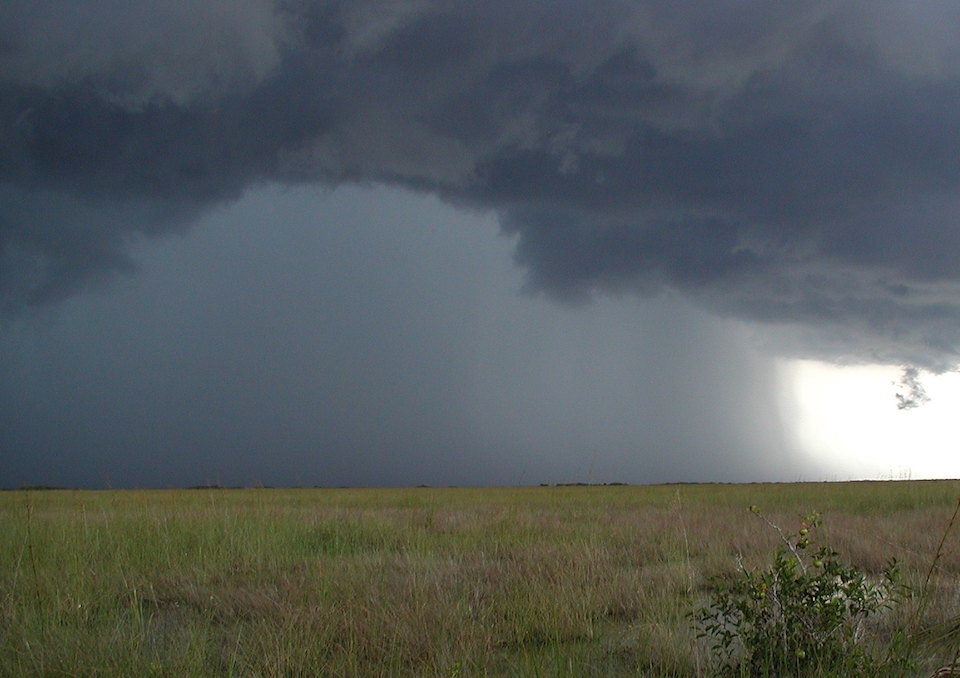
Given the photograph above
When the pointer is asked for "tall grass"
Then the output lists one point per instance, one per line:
(551, 581)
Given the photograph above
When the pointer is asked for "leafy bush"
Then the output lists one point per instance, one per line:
(806, 615)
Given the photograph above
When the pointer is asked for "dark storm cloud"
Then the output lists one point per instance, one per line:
(795, 163)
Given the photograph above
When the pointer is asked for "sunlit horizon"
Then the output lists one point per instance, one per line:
(845, 419)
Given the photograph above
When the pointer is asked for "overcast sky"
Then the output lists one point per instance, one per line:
(369, 242)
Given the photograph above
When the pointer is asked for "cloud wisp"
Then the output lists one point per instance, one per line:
(910, 390)
(790, 164)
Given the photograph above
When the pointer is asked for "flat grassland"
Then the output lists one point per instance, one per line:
(548, 581)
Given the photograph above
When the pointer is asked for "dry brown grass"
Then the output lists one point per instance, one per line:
(536, 581)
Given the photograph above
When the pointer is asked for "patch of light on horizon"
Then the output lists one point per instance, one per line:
(845, 419)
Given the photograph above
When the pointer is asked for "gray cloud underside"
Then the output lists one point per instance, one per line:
(793, 163)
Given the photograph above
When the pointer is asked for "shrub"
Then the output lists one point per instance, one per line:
(804, 616)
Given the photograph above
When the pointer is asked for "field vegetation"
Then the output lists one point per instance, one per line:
(539, 581)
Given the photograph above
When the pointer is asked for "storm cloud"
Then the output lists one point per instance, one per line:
(791, 163)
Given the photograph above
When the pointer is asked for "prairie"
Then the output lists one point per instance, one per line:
(537, 581)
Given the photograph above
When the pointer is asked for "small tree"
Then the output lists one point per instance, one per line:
(806, 615)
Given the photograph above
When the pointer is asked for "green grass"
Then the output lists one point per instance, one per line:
(549, 581)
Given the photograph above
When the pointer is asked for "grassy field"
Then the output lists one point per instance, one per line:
(545, 581)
